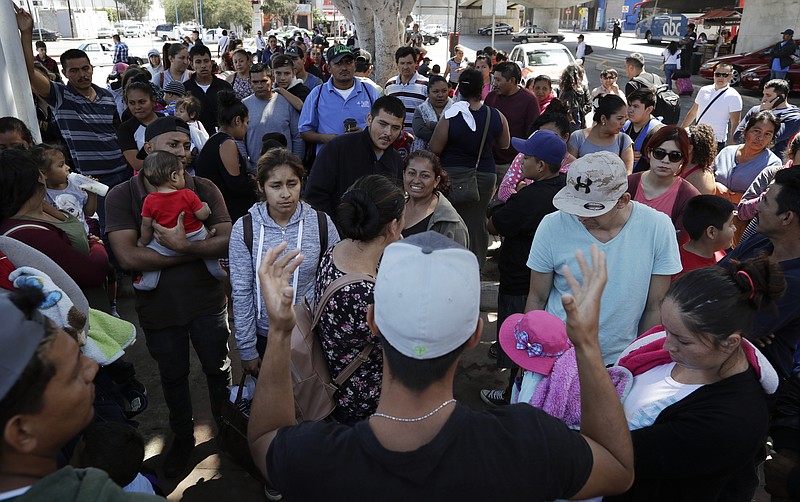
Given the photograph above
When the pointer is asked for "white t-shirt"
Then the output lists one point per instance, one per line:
(651, 393)
(719, 114)
(344, 93)
(672, 58)
(645, 246)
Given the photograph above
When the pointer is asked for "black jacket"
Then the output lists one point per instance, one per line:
(208, 100)
(784, 53)
(343, 160)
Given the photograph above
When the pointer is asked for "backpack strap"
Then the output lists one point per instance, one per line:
(322, 222)
(247, 229)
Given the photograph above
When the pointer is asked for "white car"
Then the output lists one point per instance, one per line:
(105, 32)
(135, 30)
(435, 29)
(543, 59)
(100, 54)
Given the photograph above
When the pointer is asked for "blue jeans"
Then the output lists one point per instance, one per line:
(778, 74)
(170, 349)
(669, 69)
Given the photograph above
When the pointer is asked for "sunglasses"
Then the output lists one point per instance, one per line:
(608, 76)
(725, 75)
(660, 153)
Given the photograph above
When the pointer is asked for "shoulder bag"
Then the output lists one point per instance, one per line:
(464, 180)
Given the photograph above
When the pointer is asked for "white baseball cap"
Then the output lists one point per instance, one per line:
(427, 295)
(595, 183)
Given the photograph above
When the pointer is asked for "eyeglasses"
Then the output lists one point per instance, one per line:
(725, 75)
(660, 153)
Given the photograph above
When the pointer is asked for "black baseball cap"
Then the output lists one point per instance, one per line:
(164, 125)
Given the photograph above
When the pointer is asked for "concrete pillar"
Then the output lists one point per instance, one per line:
(761, 26)
(546, 18)
(14, 84)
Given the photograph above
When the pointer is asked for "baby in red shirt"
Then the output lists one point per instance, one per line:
(708, 220)
(164, 171)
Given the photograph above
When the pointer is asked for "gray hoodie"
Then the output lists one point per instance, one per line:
(248, 306)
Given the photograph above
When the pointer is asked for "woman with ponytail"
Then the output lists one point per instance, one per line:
(220, 160)
(697, 408)
(369, 218)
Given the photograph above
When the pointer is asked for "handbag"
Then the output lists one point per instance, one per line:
(464, 180)
(232, 436)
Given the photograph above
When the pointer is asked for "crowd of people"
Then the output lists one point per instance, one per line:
(231, 192)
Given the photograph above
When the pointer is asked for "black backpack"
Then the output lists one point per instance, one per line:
(668, 104)
(588, 50)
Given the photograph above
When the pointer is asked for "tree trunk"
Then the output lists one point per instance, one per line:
(361, 14)
(389, 35)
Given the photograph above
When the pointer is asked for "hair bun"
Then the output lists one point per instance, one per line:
(760, 280)
(357, 215)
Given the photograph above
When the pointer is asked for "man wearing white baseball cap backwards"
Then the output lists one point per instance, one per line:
(46, 394)
(420, 444)
(640, 243)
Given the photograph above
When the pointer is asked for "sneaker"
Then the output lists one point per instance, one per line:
(272, 493)
(495, 397)
(492, 352)
(177, 458)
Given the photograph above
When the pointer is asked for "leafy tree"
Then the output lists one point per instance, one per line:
(279, 8)
(137, 8)
(112, 14)
(185, 10)
(227, 13)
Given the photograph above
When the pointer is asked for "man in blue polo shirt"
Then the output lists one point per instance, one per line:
(85, 113)
(329, 107)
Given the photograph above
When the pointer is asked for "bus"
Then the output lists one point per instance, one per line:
(658, 25)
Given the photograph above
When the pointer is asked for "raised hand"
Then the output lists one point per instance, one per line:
(583, 305)
(274, 275)
(24, 19)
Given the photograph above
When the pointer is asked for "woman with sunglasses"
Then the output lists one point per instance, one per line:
(661, 187)
(608, 85)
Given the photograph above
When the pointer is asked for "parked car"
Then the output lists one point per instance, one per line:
(428, 38)
(46, 35)
(741, 63)
(135, 30)
(543, 58)
(499, 29)
(167, 32)
(435, 29)
(212, 36)
(536, 34)
(105, 32)
(119, 29)
(100, 54)
(754, 78)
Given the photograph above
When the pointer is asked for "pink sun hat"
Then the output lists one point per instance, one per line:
(534, 340)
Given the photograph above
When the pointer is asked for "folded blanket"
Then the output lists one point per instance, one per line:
(108, 338)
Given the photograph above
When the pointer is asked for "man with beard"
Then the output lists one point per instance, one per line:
(351, 156)
(340, 105)
(85, 113)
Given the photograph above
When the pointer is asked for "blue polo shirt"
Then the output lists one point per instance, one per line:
(88, 129)
(325, 109)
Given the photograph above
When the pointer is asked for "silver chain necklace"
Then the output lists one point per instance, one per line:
(418, 419)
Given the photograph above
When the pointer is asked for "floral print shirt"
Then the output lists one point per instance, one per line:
(344, 333)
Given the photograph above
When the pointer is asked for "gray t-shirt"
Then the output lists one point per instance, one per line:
(578, 141)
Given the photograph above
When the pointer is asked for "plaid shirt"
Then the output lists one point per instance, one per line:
(120, 53)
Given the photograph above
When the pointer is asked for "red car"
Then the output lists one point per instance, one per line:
(741, 63)
(754, 78)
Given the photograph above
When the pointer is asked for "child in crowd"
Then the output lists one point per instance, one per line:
(117, 449)
(173, 91)
(188, 109)
(164, 171)
(709, 222)
(61, 192)
(436, 70)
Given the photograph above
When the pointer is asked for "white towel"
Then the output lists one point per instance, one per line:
(461, 107)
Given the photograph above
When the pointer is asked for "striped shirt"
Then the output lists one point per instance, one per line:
(120, 53)
(88, 128)
(412, 94)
